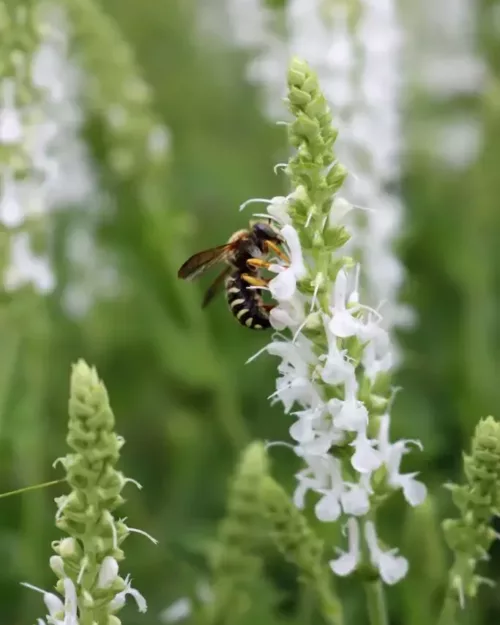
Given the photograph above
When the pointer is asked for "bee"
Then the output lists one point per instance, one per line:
(242, 253)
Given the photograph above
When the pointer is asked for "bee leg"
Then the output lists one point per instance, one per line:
(254, 281)
(270, 245)
(258, 263)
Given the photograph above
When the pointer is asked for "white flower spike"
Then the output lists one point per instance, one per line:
(336, 351)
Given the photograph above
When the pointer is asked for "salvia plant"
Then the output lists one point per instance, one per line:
(86, 560)
(334, 379)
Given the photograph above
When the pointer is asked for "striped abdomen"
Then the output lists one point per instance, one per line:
(246, 304)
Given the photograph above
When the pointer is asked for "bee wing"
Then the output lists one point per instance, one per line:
(200, 262)
(215, 287)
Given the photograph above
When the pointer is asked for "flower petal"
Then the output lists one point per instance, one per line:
(414, 491)
(392, 568)
(283, 286)
(344, 565)
(355, 501)
(328, 508)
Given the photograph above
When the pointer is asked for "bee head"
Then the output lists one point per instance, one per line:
(265, 231)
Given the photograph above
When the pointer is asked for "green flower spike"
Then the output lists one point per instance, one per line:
(299, 545)
(478, 500)
(235, 565)
(87, 560)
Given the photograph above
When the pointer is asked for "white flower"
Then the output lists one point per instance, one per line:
(11, 211)
(392, 568)
(295, 384)
(288, 314)
(60, 613)
(365, 459)
(355, 499)
(182, 608)
(179, 610)
(278, 208)
(343, 323)
(340, 208)
(316, 476)
(337, 368)
(349, 414)
(346, 563)
(283, 286)
(27, 268)
(11, 129)
(414, 491)
(119, 600)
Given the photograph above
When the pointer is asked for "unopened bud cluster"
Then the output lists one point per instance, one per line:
(470, 536)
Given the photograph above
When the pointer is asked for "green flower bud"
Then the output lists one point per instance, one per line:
(478, 500)
(300, 546)
(87, 560)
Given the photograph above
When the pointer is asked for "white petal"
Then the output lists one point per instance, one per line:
(53, 603)
(11, 210)
(302, 431)
(414, 491)
(347, 562)
(70, 603)
(365, 459)
(11, 129)
(317, 447)
(297, 261)
(283, 286)
(344, 565)
(281, 318)
(344, 325)
(178, 611)
(352, 416)
(328, 508)
(278, 208)
(355, 501)
(305, 484)
(392, 568)
(340, 291)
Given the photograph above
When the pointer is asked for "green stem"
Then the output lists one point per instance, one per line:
(375, 599)
(447, 616)
(29, 488)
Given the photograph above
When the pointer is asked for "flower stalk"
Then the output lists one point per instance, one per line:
(293, 537)
(235, 564)
(375, 602)
(470, 536)
(334, 375)
(86, 561)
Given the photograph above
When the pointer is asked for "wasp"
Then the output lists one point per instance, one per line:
(242, 253)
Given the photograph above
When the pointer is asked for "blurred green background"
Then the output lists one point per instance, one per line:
(183, 397)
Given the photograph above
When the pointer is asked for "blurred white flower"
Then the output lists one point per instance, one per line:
(182, 608)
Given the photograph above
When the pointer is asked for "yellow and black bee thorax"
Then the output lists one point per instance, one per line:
(246, 304)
